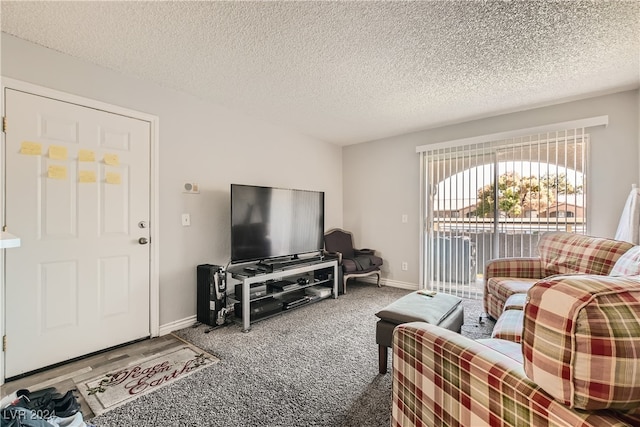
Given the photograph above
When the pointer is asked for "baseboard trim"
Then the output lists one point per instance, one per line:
(177, 324)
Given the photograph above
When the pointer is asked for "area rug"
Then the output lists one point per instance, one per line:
(113, 389)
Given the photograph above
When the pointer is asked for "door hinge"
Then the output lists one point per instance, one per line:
(4, 124)
(4, 343)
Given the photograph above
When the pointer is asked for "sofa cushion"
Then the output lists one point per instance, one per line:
(508, 348)
(509, 326)
(628, 264)
(563, 253)
(581, 340)
(515, 302)
(361, 264)
(504, 287)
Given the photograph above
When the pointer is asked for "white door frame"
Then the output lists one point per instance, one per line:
(154, 281)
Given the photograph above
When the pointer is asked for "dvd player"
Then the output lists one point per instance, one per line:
(294, 299)
(259, 309)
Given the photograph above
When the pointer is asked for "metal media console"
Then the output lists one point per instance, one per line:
(299, 274)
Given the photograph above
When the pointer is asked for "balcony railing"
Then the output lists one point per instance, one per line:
(458, 248)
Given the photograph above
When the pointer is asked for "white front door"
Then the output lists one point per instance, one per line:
(78, 186)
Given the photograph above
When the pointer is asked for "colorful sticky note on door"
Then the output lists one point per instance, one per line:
(113, 178)
(86, 156)
(111, 159)
(57, 152)
(87, 176)
(30, 148)
(57, 172)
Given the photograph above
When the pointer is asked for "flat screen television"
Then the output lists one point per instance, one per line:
(269, 222)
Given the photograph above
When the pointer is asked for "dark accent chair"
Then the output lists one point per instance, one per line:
(352, 262)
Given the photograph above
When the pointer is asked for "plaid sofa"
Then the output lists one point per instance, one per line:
(559, 253)
(578, 362)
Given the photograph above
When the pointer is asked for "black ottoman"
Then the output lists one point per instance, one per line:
(443, 310)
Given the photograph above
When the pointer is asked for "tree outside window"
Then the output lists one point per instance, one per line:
(520, 197)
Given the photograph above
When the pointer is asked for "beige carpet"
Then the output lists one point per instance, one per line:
(142, 376)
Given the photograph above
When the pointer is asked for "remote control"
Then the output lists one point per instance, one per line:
(427, 293)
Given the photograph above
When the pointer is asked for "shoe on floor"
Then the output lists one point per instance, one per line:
(64, 400)
(72, 421)
(43, 407)
(36, 393)
(49, 392)
(70, 408)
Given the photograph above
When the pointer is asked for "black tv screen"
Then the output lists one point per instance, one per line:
(269, 222)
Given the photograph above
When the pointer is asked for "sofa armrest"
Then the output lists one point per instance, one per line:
(580, 340)
(524, 268)
(443, 378)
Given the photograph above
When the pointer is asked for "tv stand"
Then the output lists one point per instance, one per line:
(291, 273)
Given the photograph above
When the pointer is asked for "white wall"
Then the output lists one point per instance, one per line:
(199, 142)
(381, 178)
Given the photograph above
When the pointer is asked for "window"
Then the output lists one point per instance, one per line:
(484, 200)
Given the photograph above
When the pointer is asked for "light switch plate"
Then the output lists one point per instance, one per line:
(186, 220)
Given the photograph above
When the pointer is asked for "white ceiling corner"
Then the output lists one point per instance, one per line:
(349, 72)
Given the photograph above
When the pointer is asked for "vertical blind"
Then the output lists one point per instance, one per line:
(485, 200)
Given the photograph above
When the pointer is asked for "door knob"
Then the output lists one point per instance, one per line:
(143, 240)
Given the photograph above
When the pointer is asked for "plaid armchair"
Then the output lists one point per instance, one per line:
(578, 363)
(559, 253)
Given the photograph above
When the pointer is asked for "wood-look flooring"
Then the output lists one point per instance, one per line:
(63, 377)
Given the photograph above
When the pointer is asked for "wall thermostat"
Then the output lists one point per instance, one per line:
(191, 188)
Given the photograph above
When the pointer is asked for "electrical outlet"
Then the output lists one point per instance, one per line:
(405, 218)
(405, 266)
(186, 220)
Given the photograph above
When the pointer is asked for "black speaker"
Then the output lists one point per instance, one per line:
(211, 294)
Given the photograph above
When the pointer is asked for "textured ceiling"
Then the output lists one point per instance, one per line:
(347, 72)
